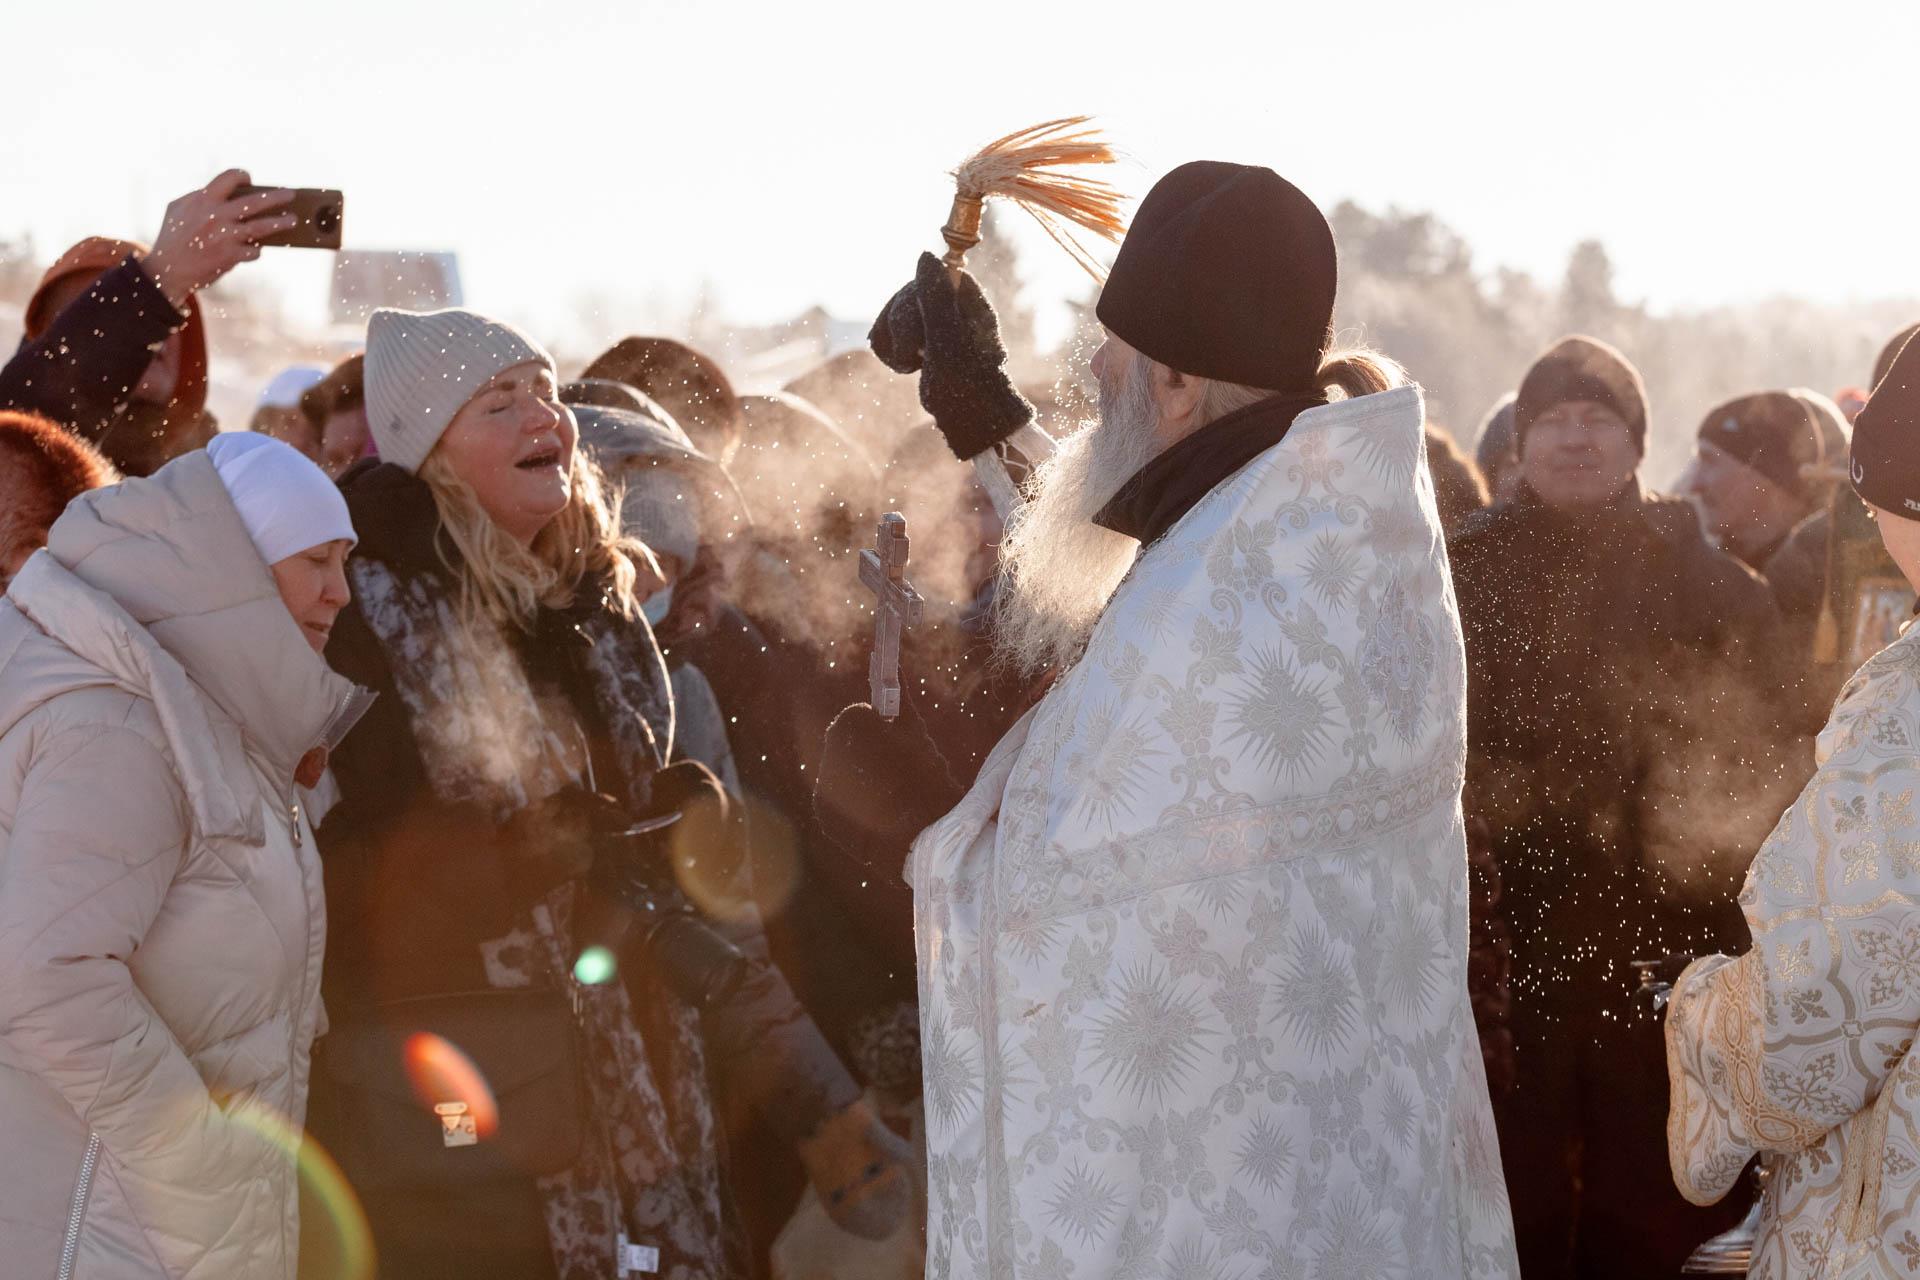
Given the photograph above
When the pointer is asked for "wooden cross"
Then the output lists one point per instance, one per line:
(896, 605)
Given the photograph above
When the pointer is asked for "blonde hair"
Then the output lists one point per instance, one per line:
(510, 582)
(1348, 373)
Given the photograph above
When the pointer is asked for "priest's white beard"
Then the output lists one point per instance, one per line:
(1058, 568)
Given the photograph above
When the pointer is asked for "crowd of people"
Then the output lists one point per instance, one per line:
(465, 772)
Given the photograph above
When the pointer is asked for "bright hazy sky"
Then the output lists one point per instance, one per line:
(794, 153)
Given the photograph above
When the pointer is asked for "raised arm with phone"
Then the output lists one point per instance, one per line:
(115, 349)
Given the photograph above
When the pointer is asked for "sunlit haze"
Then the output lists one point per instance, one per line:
(623, 156)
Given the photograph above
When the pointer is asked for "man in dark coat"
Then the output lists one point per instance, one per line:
(1611, 655)
(115, 349)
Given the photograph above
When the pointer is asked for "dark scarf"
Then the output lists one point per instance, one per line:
(1171, 485)
(470, 695)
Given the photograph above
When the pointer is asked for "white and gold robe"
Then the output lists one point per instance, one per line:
(1193, 948)
(1802, 1049)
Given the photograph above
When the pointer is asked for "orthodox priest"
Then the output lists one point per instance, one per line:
(1192, 944)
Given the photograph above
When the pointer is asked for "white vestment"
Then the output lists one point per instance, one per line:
(1803, 1049)
(1193, 949)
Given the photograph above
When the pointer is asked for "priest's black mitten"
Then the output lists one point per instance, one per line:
(898, 337)
(946, 329)
(882, 782)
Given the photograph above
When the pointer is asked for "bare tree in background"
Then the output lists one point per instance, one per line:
(1408, 285)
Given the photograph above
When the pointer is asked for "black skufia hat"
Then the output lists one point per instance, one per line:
(1885, 465)
(1228, 272)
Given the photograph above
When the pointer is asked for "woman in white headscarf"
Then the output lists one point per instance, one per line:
(163, 701)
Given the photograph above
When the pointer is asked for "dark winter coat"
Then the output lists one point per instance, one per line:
(1619, 738)
(841, 933)
(417, 921)
(419, 902)
(845, 935)
(82, 370)
(1617, 671)
(1797, 574)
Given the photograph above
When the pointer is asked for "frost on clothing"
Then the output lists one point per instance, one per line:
(1802, 1048)
(161, 912)
(1193, 948)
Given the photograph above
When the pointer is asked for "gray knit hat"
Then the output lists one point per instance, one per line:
(660, 473)
(661, 507)
(422, 368)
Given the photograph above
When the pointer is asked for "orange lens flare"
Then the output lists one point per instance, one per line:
(442, 1074)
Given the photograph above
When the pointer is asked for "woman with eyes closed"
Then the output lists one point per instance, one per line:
(524, 716)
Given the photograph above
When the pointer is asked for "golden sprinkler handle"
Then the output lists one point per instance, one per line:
(962, 231)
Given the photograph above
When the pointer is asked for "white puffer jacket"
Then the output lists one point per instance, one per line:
(161, 921)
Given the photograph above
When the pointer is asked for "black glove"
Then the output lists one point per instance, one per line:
(707, 842)
(641, 873)
(552, 841)
(946, 330)
(882, 782)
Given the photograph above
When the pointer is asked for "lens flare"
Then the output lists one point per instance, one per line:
(336, 1242)
(595, 966)
(441, 1074)
(733, 891)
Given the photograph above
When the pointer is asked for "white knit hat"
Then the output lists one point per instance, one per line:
(288, 385)
(422, 368)
(284, 500)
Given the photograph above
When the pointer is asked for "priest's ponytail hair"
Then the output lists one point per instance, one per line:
(1351, 372)
(1345, 373)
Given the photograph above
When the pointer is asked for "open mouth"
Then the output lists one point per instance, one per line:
(541, 460)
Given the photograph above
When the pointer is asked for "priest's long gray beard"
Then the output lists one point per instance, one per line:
(1058, 568)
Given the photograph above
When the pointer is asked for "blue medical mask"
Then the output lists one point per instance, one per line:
(657, 605)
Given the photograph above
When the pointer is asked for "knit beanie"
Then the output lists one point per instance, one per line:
(661, 507)
(288, 386)
(423, 366)
(286, 502)
(1493, 445)
(1228, 272)
(1771, 431)
(1884, 361)
(658, 467)
(1581, 368)
(1886, 439)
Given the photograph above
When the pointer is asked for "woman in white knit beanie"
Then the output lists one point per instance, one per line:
(525, 709)
(163, 700)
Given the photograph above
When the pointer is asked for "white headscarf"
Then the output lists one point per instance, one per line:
(286, 502)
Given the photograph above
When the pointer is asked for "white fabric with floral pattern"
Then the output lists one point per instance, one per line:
(1193, 950)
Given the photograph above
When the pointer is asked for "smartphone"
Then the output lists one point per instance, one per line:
(322, 215)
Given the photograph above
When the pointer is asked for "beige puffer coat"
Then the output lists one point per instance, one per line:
(161, 921)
